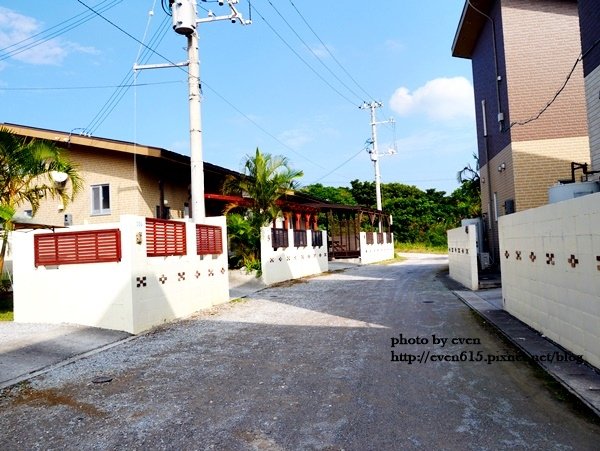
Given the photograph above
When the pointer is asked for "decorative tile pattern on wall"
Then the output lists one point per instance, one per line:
(141, 281)
(180, 276)
(211, 272)
(222, 270)
(532, 257)
(162, 279)
(197, 274)
(573, 261)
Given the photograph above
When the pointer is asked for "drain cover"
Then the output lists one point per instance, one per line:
(102, 379)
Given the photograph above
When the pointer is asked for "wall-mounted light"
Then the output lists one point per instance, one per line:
(502, 167)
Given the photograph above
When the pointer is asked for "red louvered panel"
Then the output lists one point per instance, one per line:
(209, 240)
(65, 248)
(164, 238)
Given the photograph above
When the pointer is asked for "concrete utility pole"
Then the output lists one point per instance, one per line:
(374, 153)
(185, 21)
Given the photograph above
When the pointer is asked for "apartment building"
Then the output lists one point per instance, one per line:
(529, 98)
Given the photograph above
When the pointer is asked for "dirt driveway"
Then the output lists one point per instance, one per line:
(309, 365)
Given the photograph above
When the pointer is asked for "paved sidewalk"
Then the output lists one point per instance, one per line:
(27, 350)
(580, 379)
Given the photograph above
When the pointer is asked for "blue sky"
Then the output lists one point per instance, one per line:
(256, 91)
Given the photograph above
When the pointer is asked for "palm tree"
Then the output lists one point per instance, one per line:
(28, 169)
(265, 179)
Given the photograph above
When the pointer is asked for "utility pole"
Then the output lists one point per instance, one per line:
(373, 152)
(185, 21)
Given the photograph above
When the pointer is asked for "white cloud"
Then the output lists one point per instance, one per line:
(15, 27)
(394, 45)
(295, 138)
(321, 51)
(441, 99)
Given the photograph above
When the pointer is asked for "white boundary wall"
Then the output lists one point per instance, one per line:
(550, 260)
(462, 256)
(133, 295)
(373, 253)
(292, 262)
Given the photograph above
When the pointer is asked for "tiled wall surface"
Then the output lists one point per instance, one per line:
(550, 261)
(372, 253)
(133, 295)
(592, 88)
(291, 262)
(462, 256)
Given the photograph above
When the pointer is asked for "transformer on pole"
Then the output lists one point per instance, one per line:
(185, 22)
(374, 151)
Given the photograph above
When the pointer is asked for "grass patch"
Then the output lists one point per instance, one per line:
(6, 307)
(420, 248)
(391, 261)
(238, 301)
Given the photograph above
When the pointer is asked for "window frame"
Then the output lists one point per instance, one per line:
(101, 211)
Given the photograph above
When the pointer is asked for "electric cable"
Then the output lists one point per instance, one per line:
(204, 84)
(314, 53)
(147, 47)
(257, 125)
(127, 80)
(558, 93)
(302, 59)
(80, 19)
(340, 166)
(78, 88)
(330, 53)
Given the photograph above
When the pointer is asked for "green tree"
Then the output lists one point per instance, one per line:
(468, 195)
(364, 193)
(340, 195)
(27, 167)
(265, 179)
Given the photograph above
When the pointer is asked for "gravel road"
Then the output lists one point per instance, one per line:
(306, 365)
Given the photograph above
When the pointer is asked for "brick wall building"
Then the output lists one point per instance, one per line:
(589, 20)
(122, 178)
(522, 51)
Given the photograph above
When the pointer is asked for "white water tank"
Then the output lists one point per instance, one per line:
(567, 191)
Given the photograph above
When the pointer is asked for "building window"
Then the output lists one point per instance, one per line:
(101, 199)
(496, 207)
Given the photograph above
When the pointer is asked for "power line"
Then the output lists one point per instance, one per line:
(127, 80)
(302, 59)
(78, 88)
(558, 93)
(314, 53)
(204, 84)
(330, 53)
(257, 125)
(79, 19)
(341, 165)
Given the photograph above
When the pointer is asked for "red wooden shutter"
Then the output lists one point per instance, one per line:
(209, 240)
(164, 238)
(64, 248)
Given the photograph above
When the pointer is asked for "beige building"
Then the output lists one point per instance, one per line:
(522, 53)
(122, 178)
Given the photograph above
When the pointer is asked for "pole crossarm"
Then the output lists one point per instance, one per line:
(185, 22)
(159, 66)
